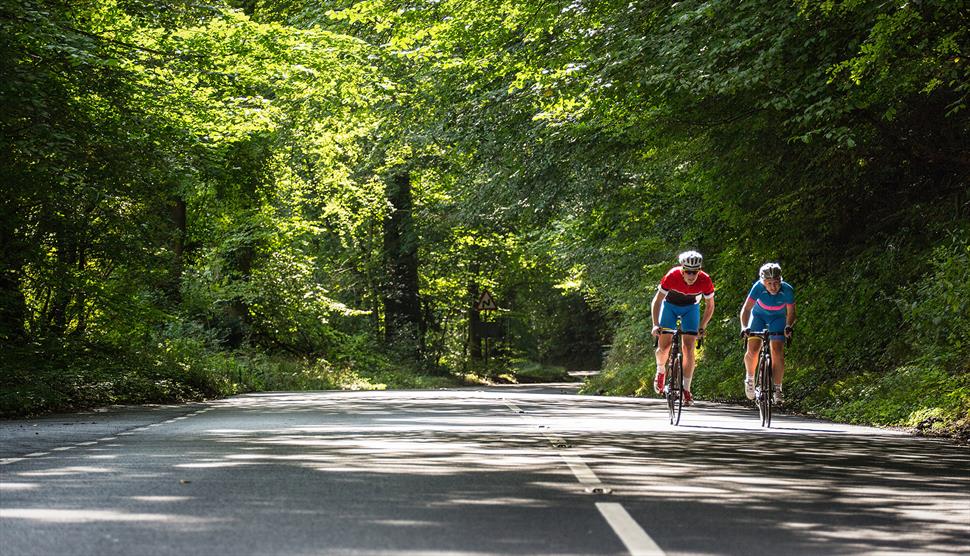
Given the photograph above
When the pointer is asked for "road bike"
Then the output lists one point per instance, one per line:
(674, 383)
(763, 382)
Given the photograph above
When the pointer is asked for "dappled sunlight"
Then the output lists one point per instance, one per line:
(64, 471)
(842, 484)
(405, 523)
(429, 460)
(493, 501)
(91, 516)
(18, 486)
(214, 464)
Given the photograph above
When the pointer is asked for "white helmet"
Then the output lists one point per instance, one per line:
(770, 271)
(691, 260)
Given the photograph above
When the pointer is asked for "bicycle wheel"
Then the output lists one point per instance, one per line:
(769, 395)
(759, 391)
(764, 385)
(675, 390)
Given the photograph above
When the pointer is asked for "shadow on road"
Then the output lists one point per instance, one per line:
(425, 473)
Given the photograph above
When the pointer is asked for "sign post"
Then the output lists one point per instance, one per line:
(485, 304)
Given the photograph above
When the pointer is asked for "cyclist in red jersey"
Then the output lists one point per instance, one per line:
(678, 297)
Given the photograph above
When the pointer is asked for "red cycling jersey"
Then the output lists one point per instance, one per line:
(678, 292)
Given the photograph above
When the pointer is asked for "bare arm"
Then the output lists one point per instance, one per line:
(708, 313)
(789, 319)
(746, 312)
(655, 311)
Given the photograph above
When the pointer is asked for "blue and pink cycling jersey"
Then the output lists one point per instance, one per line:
(770, 311)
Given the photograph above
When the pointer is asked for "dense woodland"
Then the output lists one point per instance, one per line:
(206, 198)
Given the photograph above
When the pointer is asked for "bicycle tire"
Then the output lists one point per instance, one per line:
(770, 398)
(766, 393)
(668, 395)
(759, 391)
(675, 394)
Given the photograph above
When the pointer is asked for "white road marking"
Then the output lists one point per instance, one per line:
(583, 473)
(579, 468)
(636, 540)
(7, 461)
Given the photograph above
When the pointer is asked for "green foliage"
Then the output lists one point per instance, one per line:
(920, 395)
(198, 194)
(525, 371)
(937, 308)
(630, 363)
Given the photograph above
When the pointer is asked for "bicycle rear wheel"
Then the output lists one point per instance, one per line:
(675, 390)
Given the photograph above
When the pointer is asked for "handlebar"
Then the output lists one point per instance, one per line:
(764, 335)
(656, 339)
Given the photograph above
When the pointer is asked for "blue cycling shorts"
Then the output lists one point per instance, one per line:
(774, 323)
(689, 315)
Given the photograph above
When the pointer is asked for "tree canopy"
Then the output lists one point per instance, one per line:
(200, 199)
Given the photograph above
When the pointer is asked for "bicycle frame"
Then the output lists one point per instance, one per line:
(763, 381)
(674, 384)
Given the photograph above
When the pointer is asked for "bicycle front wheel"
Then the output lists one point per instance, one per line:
(764, 386)
(675, 390)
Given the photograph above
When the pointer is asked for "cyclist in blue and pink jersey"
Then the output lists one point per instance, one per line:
(678, 297)
(770, 306)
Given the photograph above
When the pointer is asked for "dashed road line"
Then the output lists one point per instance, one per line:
(633, 537)
(636, 540)
(8, 461)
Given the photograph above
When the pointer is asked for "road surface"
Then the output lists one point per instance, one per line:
(513, 470)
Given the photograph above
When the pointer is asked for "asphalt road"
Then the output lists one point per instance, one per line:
(511, 470)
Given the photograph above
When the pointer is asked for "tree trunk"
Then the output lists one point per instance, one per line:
(67, 251)
(403, 325)
(178, 248)
(13, 306)
(474, 319)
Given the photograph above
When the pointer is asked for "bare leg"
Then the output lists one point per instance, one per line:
(777, 360)
(689, 343)
(751, 357)
(663, 350)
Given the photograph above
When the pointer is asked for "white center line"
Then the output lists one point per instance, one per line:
(582, 471)
(636, 540)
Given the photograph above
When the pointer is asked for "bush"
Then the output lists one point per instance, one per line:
(526, 371)
(884, 339)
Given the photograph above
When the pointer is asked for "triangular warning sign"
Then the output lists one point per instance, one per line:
(486, 303)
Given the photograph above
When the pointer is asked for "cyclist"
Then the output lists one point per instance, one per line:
(770, 305)
(679, 296)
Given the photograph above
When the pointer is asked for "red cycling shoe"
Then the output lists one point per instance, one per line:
(658, 383)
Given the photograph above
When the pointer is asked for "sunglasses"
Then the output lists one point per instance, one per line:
(691, 272)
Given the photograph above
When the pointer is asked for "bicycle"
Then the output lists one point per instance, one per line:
(674, 383)
(763, 383)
